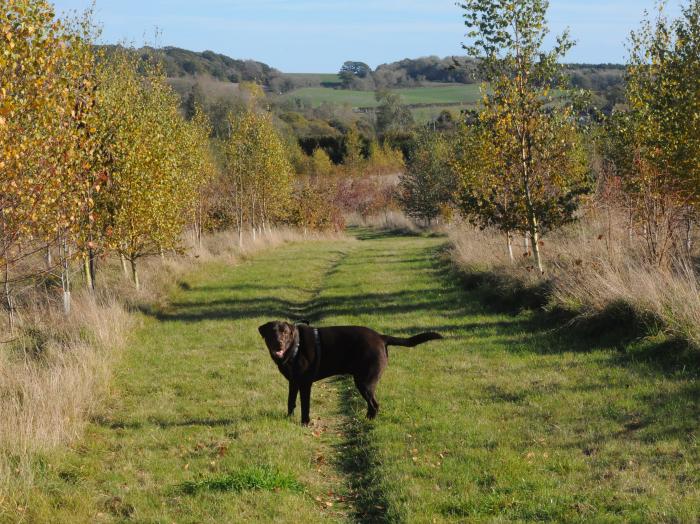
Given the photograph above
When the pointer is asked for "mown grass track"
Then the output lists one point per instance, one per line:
(509, 419)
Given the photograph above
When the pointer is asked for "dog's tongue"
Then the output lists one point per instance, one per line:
(280, 353)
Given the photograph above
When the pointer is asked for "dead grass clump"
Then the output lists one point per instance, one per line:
(53, 376)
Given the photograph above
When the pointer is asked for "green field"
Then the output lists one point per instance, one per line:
(315, 77)
(437, 95)
(507, 420)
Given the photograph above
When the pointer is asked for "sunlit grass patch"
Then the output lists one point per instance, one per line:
(253, 478)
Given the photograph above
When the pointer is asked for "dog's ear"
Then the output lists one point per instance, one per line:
(265, 328)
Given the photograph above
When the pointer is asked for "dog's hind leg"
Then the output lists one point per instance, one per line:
(367, 391)
(292, 398)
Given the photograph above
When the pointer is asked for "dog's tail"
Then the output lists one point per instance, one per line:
(413, 341)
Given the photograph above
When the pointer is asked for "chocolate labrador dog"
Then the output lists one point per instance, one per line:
(305, 355)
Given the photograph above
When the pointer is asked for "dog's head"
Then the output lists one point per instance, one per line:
(279, 338)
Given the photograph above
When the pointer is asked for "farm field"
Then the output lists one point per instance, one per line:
(448, 94)
(508, 419)
(315, 77)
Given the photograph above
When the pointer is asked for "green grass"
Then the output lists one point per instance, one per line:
(261, 478)
(508, 419)
(438, 95)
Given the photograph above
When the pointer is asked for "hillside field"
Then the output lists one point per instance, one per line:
(435, 95)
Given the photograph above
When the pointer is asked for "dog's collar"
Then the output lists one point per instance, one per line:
(317, 339)
(294, 350)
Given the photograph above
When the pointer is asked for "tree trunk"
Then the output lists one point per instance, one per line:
(534, 230)
(198, 226)
(49, 259)
(526, 244)
(122, 258)
(135, 274)
(536, 246)
(532, 221)
(509, 240)
(9, 304)
(240, 231)
(88, 273)
(92, 267)
(252, 219)
(65, 275)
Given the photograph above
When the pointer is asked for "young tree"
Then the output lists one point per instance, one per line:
(537, 137)
(257, 170)
(320, 163)
(654, 147)
(202, 167)
(383, 159)
(73, 211)
(429, 184)
(46, 92)
(353, 159)
(392, 115)
(150, 155)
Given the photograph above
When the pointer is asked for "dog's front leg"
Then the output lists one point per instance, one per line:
(292, 398)
(305, 390)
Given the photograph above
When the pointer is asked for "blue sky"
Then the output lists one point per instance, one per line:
(318, 35)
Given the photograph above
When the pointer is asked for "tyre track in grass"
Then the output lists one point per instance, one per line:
(366, 290)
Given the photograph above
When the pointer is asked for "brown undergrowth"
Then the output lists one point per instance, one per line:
(595, 269)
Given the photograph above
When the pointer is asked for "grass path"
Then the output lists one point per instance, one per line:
(506, 420)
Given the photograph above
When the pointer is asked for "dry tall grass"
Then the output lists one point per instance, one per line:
(55, 369)
(54, 375)
(592, 266)
(391, 220)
